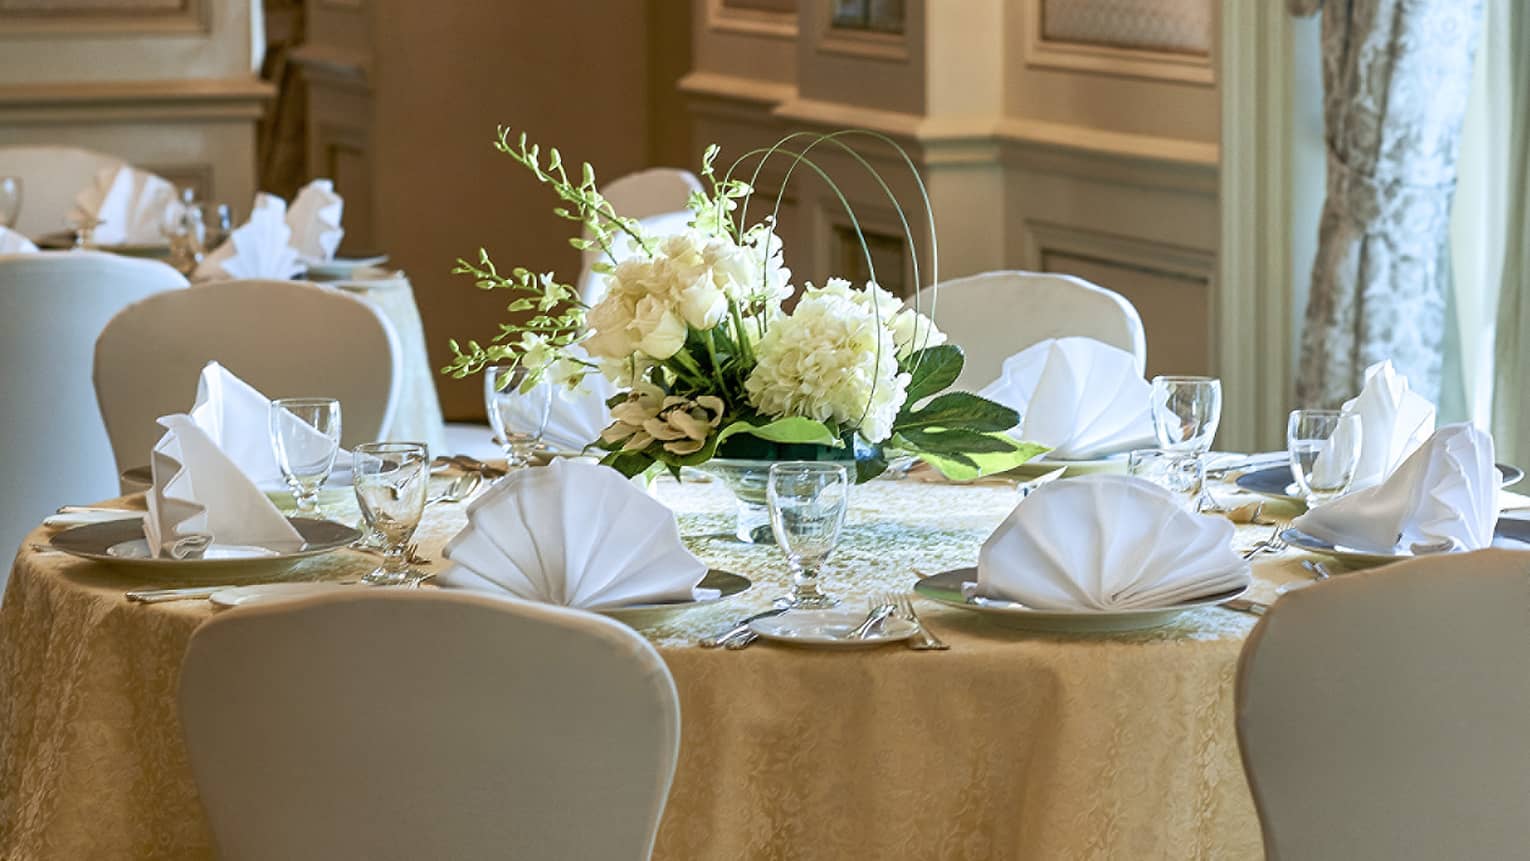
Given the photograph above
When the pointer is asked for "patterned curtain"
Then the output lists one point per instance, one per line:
(1395, 79)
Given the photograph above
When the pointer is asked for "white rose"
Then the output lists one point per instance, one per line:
(702, 304)
(914, 331)
(660, 331)
(609, 323)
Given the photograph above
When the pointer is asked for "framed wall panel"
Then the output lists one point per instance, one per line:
(41, 17)
(1157, 39)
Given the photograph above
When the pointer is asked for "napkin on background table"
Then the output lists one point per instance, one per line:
(1446, 491)
(1100, 543)
(200, 495)
(1083, 398)
(575, 534)
(237, 418)
(1394, 422)
(130, 203)
(576, 417)
(12, 242)
(259, 248)
(314, 219)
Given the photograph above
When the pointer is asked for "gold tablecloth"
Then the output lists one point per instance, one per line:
(1010, 745)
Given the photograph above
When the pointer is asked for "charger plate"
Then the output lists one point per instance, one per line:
(95, 541)
(946, 588)
(1277, 482)
(640, 615)
(1509, 533)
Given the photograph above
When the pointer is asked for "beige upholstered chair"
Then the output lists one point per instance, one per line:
(285, 338)
(51, 176)
(53, 305)
(409, 724)
(1386, 714)
(997, 314)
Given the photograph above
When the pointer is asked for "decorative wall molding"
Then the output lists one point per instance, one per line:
(1161, 258)
(27, 18)
(135, 101)
(862, 44)
(751, 20)
(1111, 143)
(735, 88)
(334, 66)
(1116, 60)
(197, 176)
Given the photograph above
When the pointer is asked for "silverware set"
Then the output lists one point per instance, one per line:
(1272, 545)
(883, 606)
(923, 640)
(469, 464)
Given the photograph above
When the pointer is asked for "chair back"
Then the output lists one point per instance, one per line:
(406, 724)
(997, 314)
(286, 338)
(1384, 714)
(51, 176)
(53, 305)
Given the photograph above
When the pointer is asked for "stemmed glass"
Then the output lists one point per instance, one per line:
(1324, 446)
(1186, 412)
(807, 508)
(391, 480)
(519, 418)
(1181, 474)
(305, 436)
(10, 200)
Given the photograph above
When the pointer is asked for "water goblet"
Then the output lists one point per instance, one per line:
(807, 508)
(10, 200)
(1186, 412)
(1182, 474)
(1324, 447)
(517, 410)
(391, 480)
(305, 436)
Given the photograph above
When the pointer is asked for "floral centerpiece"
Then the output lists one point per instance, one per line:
(711, 358)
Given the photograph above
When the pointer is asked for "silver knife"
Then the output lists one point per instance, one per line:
(156, 596)
(738, 628)
(1244, 605)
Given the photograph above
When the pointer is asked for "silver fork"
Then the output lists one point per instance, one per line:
(923, 639)
(1273, 544)
(461, 488)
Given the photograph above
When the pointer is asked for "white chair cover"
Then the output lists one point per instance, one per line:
(285, 338)
(409, 724)
(50, 178)
(53, 305)
(1383, 714)
(997, 314)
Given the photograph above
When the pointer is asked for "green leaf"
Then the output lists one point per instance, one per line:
(793, 429)
(628, 463)
(934, 370)
(963, 410)
(870, 467)
(960, 441)
(966, 467)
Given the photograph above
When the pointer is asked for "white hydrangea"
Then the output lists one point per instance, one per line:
(651, 302)
(832, 360)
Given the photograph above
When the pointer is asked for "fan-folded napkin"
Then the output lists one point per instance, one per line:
(1082, 398)
(1394, 422)
(201, 500)
(12, 242)
(130, 204)
(575, 534)
(259, 248)
(237, 418)
(314, 219)
(1445, 493)
(1101, 543)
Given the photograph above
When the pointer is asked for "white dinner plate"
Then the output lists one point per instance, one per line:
(96, 541)
(342, 267)
(829, 629)
(1510, 533)
(266, 593)
(1043, 465)
(946, 588)
(721, 585)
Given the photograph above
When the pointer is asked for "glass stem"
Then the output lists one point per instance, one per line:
(394, 561)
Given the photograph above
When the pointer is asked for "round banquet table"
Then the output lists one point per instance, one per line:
(1010, 745)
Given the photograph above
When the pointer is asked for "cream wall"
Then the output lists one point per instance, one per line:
(167, 84)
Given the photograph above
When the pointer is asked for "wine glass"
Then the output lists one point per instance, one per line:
(807, 508)
(305, 437)
(1186, 412)
(391, 480)
(10, 200)
(1324, 446)
(518, 413)
(1177, 472)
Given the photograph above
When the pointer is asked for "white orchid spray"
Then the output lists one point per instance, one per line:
(692, 326)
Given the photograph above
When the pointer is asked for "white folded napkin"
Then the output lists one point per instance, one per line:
(1394, 422)
(12, 242)
(575, 534)
(201, 504)
(314, 219)
(131, 204)
(1082, 398)
(259, 248)
(1099, 543)
(1445, 493)
(237, 418)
